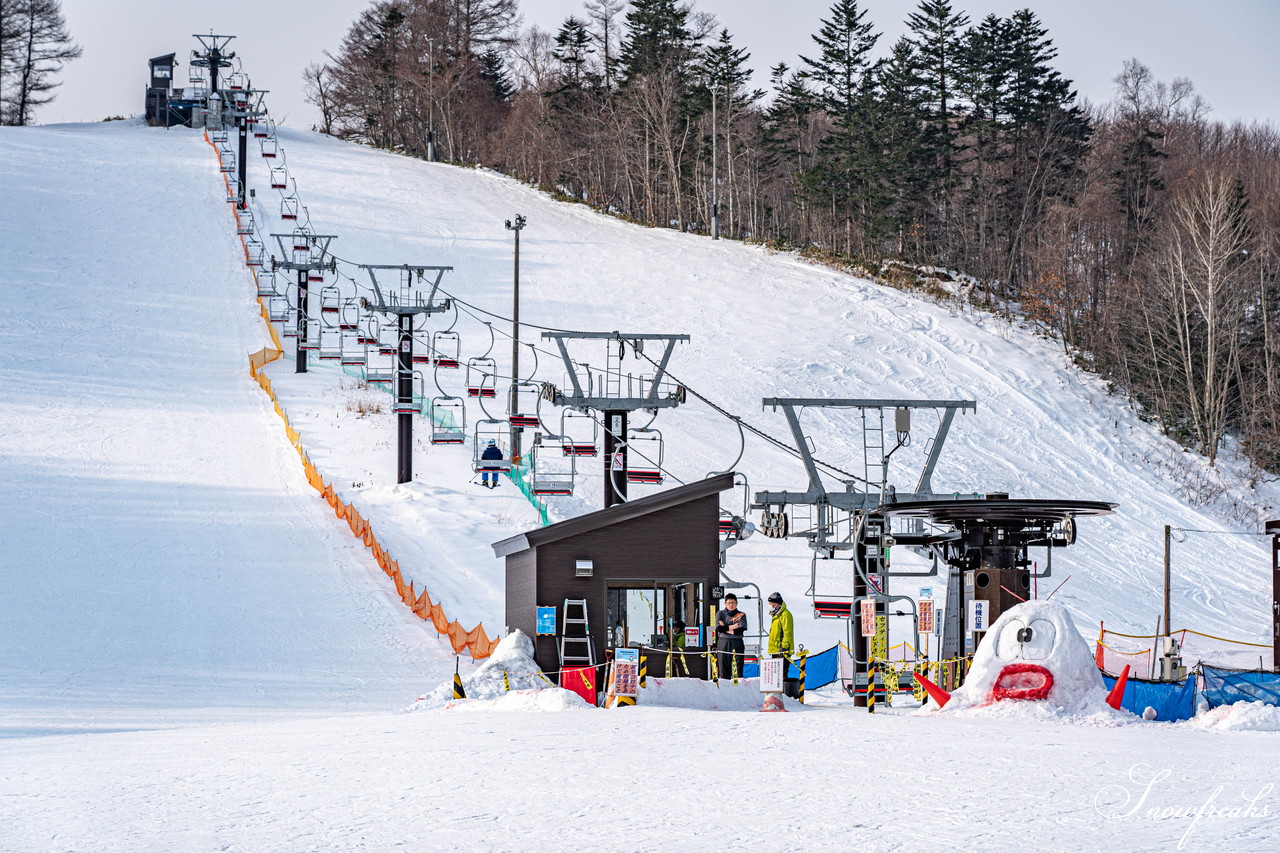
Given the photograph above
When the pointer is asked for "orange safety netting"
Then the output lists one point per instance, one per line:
(475, 642)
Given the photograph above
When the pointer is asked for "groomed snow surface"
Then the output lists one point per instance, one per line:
(196, 655)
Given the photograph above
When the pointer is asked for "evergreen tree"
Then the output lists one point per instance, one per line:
(493, 71)
(573, 49)
(657, 40)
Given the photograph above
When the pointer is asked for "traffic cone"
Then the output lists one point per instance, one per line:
(936, 693)
(1117, 693)
(772, 702)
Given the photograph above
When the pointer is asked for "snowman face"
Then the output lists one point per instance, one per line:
(1023, 646)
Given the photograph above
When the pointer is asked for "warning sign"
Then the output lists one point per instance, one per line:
(771, 675)
(925, 606)
(867, 612)
(626, 678)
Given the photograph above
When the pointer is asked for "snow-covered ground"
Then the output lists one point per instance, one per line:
(183, 608)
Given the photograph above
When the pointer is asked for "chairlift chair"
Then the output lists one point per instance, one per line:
(236, 80)
(522, 404)
(255, 254)
(270, 148)
(277, 308)
(650, 472)
(289, 209)
(446, 347)
(279, 178)
(369, 329)
(264, 129)
(354, 352)
(330, 344)
(349, 315)
(227, 164)
(480, 377)
(548, 475)
(267, 283)
(244, 222)
(497, 431)
(313, 335)
(448, 420)
(412, 406)
(579, 434)
(330, 304)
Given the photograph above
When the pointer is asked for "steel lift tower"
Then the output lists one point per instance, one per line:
(306, 253)
(410, 299)
(616, 396)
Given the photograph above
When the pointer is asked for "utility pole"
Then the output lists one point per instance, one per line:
(305, 253)
(1168, 538)
(1273, 527)
(517, 226)
(431, 107)
(715, 183)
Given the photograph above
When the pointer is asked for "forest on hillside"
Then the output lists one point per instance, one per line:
(1141, 233)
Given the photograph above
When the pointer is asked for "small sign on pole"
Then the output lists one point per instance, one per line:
(546, 621)
(925, 606)
(925, 592)
(978, 615)
(692, 636)
(867, 612)
(771, 673)
(626, 677)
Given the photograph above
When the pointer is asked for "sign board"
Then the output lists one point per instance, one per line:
(692, 636)
(771, 673)
(867, 613)
(876, 582)
(937, 623)
(626, 655)
(968, 644)
(925, 592)
(626, 677)
(968, 580)
(978, 615)
(546, 621)
(717, 593)
(618, 462)
(925, 606)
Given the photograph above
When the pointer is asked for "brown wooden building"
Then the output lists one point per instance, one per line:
(645, 570)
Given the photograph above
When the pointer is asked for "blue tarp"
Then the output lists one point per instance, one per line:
(1224, 686)
(821, 669)
(1172, 700)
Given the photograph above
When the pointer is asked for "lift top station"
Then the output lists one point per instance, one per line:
(982, 539)
(616, 394)
(413, 296)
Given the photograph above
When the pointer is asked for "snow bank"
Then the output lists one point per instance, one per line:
(1239, 717)
(704, 695)
(509, 680)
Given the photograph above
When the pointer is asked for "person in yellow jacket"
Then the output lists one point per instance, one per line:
(782, 641)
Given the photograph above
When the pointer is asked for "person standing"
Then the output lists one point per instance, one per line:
(782, 641)
(731, 627)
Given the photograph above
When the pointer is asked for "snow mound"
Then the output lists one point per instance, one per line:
(509, 680)
(706, 696)
(1252, 716)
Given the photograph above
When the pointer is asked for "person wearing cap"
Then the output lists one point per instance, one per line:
(782, 640)
(491, 453)
(731, 626)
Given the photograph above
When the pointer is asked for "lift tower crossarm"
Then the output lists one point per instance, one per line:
(581, 398)
(418, 306)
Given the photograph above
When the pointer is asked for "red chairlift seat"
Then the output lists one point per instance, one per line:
(523, 420)
(832, 609)
(644, 476)
(572, 449)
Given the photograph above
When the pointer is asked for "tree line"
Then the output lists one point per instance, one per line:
(1141, 233)
(34, 45)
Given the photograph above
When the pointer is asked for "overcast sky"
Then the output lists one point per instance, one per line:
(1226, 47)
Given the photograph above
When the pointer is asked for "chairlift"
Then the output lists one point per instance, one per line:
(650, 471)
(244, 222)
(481, 377)
(448, 420)
(313, 334)
(446, 347)
(279, 178)
(354, 352)
(264, 129)
(412, 406)
(289, 209)
(421, 351)
(369, 329)
(255, 254)
(497, 431)
(227, 164)
(277, 308)
(270, 147)
(237, 80)
(548, 474)
(349, 315)
(522, 404)
(267, 283)
(330, 344)
(330, 304)
(579, 433)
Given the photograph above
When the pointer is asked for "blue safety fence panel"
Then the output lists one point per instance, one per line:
(821, 669)
(1173, 701)
(1224, 686)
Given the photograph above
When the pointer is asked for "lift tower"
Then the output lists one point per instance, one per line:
(306, 253)
(615, 395)
(245, 106)
(214, 57)
(409, 299)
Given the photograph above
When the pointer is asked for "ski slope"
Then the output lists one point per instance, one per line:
(197, 655)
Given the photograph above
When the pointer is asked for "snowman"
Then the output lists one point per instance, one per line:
(1033, 653)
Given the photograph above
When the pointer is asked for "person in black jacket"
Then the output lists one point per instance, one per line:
(491, 453)
(731, 626)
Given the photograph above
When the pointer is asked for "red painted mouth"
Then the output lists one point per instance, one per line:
(1022, 681)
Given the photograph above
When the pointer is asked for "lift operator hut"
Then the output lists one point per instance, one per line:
(633, 571)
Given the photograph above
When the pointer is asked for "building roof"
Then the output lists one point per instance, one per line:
(614, 514)
(160, 60)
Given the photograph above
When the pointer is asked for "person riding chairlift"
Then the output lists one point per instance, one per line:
(491, 453)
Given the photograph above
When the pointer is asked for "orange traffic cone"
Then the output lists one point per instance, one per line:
(1117, 692)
